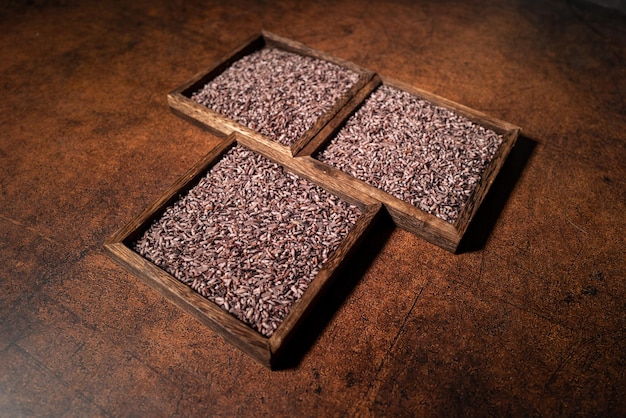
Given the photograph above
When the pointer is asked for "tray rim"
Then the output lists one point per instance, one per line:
(262, 349)
(446, 235)
(181, 104)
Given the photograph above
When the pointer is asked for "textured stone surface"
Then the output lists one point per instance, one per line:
(529, 320)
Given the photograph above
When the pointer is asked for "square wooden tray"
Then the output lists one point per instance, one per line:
(263, 349)
(425, 225)
(181, 104)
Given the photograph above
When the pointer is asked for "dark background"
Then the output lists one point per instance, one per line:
(529, 320)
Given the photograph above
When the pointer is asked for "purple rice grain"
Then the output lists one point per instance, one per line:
(249, 236)
(277, 93)
(423, 154)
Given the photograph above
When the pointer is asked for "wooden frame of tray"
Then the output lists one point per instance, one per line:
(433, 229)
(181, 104)
(264, 350)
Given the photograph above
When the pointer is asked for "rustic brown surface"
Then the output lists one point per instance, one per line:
(529, 320)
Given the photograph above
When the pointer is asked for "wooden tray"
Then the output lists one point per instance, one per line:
(425, 225)
(181, 104)
(264, 350)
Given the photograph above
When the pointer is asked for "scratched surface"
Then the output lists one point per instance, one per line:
(529, 320)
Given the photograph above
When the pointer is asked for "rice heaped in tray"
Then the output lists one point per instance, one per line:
(277, 93)
(249, 236)
(423, 154)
